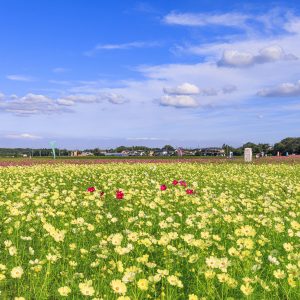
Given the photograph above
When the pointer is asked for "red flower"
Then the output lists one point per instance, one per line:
(189, 191)
(101, 194)
(119, 194)
(163, 187)
(91, 189)
(175, 182)
(182, 182)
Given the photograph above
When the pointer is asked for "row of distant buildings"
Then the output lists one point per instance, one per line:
(159, 152)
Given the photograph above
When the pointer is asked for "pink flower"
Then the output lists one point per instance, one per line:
(189, 191)
(182, 182)
(163, 187)
(119, 194)
(175, 182)
(91, 189)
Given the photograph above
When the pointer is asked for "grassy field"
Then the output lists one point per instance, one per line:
(129, 231)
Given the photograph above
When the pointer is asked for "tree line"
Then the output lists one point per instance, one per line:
(288, 145)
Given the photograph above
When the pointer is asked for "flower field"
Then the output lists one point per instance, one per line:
(146, 231)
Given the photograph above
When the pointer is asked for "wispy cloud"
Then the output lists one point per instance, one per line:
(192, 19)
(23, 136)
(17, 77)
(122, 46)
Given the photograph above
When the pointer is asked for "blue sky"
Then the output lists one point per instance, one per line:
(186, 73)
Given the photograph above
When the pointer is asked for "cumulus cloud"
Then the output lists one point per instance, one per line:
(190, 94)
(183, 89)
(33, 104)
(191, 19)
(180, 96)
(16, 77)
(24, 136)
(178, 101)
(281, 90)
(235, 58)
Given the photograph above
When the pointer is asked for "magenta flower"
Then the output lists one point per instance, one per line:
(119, 194)
(182, 183)
(189, 191)
(91, 189)
(163, 187)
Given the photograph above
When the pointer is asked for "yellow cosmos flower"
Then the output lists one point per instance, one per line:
(247, 289)
(86, 288)
(64, 291)
(118, 286)
(17, 272)
(143, 284)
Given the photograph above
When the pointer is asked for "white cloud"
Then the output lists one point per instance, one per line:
(30, 104)
(65, 102)
(191, 19)
(80, 98)
(179, 101)
(191, 89)
(16, 77)
(33, 104)
(122, 46)
(183, 89)
(24, 136)
(92, 98)
(115, 98)
(235, 58)
(233, 85)
(281, 90)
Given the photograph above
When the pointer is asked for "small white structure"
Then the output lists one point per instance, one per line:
(248, 154)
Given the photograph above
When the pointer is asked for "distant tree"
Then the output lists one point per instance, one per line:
(96, 152)
(120, 149)
(168, 148)
(290, 145)
(235, 151)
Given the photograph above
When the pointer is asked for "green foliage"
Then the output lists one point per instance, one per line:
(290, 145)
